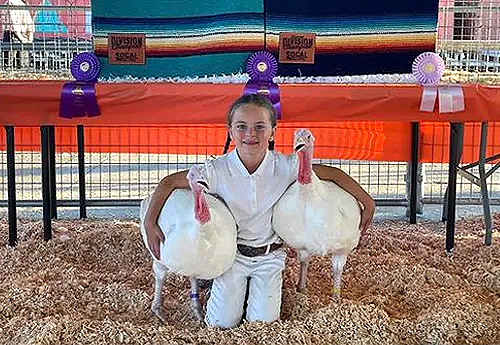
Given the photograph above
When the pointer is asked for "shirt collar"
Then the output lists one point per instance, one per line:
(236, 166)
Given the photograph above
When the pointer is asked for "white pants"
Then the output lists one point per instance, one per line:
(225, 305)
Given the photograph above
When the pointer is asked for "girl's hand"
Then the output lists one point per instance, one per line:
(367, 213)
(155, 236)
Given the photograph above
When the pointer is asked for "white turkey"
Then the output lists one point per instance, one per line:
(200, 238)
(316, 217)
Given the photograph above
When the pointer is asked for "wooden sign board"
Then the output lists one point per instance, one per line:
(297, 47)
(127, 49)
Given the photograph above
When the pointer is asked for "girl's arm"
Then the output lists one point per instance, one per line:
(346, 182)
(158, 198)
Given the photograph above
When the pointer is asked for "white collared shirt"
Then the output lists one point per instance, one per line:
(251, 197)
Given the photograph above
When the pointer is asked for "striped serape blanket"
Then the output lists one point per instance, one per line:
(214, 37)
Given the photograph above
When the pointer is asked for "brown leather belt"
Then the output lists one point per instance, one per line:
(256, 251)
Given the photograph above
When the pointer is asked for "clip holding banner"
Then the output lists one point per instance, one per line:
(262, 67)
(78, 98)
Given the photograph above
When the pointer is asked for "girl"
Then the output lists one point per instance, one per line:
(250, 179)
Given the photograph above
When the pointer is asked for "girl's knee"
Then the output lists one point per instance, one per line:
(264, 317)
(222, 321)
(268, 313)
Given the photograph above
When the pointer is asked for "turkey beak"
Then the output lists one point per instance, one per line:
(203, 184)
(300, 145)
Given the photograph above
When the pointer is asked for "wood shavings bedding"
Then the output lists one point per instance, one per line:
(92, 284)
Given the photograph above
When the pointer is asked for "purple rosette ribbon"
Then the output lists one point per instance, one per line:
(428, 68)
(262, 67)
(78, 98)
(85, 67)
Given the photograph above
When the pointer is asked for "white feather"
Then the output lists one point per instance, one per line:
(320, 218)
(191, 249)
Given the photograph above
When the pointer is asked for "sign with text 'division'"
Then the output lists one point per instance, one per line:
(297, 47)
(126, 49)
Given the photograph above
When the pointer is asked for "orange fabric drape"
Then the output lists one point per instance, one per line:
(364, 122)
(34, 103)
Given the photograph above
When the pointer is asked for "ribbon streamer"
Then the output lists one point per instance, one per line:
(428, 99)
(451, 99)
(78, 98)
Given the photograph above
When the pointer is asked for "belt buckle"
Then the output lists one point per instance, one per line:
(268, 249)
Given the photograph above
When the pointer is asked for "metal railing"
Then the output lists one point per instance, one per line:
(122, 179)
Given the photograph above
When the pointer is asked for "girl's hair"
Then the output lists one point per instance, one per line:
(257, 100)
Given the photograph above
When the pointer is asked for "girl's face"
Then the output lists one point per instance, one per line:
(251, 130)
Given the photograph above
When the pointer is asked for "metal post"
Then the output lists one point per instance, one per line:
(444, 215)
(81, 171)
(484, 185)
(456, 141)
(11, 182)
(52, 170)
(414, 168)
(47, 223)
